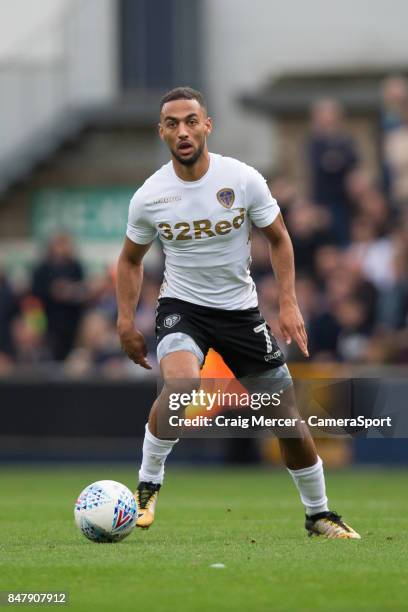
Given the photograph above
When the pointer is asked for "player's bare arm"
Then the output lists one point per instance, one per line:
(129, 283)
(283, 263)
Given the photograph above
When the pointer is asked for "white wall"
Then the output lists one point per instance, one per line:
(82, 33)
(54, 54)
(29, 28)
(91, 46)
(248, 41)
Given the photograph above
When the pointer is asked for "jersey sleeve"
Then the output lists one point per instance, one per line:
(262, 207)
(140, 228)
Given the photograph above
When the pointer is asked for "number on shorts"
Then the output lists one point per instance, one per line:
(264, 329)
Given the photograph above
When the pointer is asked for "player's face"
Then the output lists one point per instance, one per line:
(184, 127)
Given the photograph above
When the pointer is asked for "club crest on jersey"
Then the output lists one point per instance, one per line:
(171, 320)
(226, 197)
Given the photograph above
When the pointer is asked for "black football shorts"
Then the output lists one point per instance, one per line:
(242, 337)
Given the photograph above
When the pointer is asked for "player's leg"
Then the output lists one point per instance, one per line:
(252, 353)
(296, 443)
(306, 469)
(299, 454)
(181, 350)
(182, 366)
(179, 370)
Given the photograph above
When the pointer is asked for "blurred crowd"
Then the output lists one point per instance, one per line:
(350, 237)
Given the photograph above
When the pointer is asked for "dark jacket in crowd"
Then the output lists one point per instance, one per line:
(331, 159)
(63, 313)
(8, 309)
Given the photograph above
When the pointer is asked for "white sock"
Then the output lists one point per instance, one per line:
(311, 486)
(155, 452)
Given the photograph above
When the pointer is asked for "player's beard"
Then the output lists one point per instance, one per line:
(189, 161)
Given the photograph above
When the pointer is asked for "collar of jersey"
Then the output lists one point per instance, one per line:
(201, 180)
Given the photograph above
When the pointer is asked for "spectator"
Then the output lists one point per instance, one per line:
(327, 259)
(308, 225)
(368, 200)
(348, 282)
(102, 293)
(359, 184)
(6, 365)
(331, 156)
(394, 94)
(396, 159)
(373, 206)
(307, 297)
(8, 309)
(58, 283)
(285, 192)
(323, 332)
(98, 349)
(28, 342)
(374, 256)
(353, 340)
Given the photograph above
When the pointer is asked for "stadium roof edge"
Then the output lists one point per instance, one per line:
(133, 110)
(292, 94)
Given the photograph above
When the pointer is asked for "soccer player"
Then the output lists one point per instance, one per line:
(201, 206)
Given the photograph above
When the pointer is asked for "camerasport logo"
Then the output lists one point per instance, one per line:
(171, 320)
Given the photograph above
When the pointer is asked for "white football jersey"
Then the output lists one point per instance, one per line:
(204, 227)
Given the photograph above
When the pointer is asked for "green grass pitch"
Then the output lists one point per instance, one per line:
(249, 520)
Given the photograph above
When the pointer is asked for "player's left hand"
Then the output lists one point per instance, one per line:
(293, 327)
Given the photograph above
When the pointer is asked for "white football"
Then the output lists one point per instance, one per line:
(106, 511)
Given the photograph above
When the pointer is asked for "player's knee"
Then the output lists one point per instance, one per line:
(179, 356)
(183, 381)
(181, 365)
(181, 373)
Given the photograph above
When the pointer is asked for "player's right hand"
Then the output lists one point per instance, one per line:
(134, 345)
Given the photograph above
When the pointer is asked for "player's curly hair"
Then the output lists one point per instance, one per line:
(183, 93)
